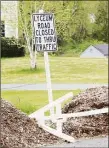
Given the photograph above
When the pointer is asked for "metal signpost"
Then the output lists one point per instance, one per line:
(45, 40)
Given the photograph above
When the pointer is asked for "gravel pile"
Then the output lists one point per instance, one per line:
(95, 125)
(19, 131)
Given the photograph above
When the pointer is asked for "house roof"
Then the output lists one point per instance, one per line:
(103, 48)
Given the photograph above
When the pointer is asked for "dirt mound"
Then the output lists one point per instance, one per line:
(90, 99)
(18, 130)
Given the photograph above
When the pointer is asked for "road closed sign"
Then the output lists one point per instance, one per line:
(44, 33)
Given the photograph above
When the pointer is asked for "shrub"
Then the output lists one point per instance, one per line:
(10, 47)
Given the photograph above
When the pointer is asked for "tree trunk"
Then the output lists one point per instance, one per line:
(33, 63)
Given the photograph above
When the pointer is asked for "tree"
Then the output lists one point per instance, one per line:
(80, 22)
(72, 19)
(25, 12)
(100, 30)
(24, 23)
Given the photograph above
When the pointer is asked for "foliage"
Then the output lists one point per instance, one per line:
(10, 47)
(72, 20)
(2, 29)
(101, 25)
(27, 30)
(74, 49)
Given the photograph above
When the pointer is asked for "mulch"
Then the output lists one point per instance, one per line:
(20, 131)
(90, 126)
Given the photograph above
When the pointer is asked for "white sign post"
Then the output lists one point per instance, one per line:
(45, 40)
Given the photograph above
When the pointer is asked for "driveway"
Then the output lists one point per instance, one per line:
(86, 143)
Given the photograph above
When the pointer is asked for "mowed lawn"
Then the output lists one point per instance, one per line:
(30, 101)
(63, 70)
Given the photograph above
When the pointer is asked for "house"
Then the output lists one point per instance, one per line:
(96, 51)
(9, 19)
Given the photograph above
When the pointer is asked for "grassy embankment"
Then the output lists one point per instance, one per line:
(29, 101)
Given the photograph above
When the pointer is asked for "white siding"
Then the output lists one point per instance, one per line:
(91, 52)
(9, 14)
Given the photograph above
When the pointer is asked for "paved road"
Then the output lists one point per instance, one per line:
(87, 143)
(43, 86)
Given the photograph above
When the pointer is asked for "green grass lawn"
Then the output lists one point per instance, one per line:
(63, 70)
(30, 101)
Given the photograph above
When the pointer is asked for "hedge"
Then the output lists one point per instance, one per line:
(10, 47)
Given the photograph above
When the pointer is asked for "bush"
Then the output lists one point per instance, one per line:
(72, 48)
(10, 47)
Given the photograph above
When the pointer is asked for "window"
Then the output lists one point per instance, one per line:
(2, 29)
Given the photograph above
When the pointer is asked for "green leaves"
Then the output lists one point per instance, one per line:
(72, 19)
(101, 24)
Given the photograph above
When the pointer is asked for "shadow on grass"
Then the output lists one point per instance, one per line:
(26, 71)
